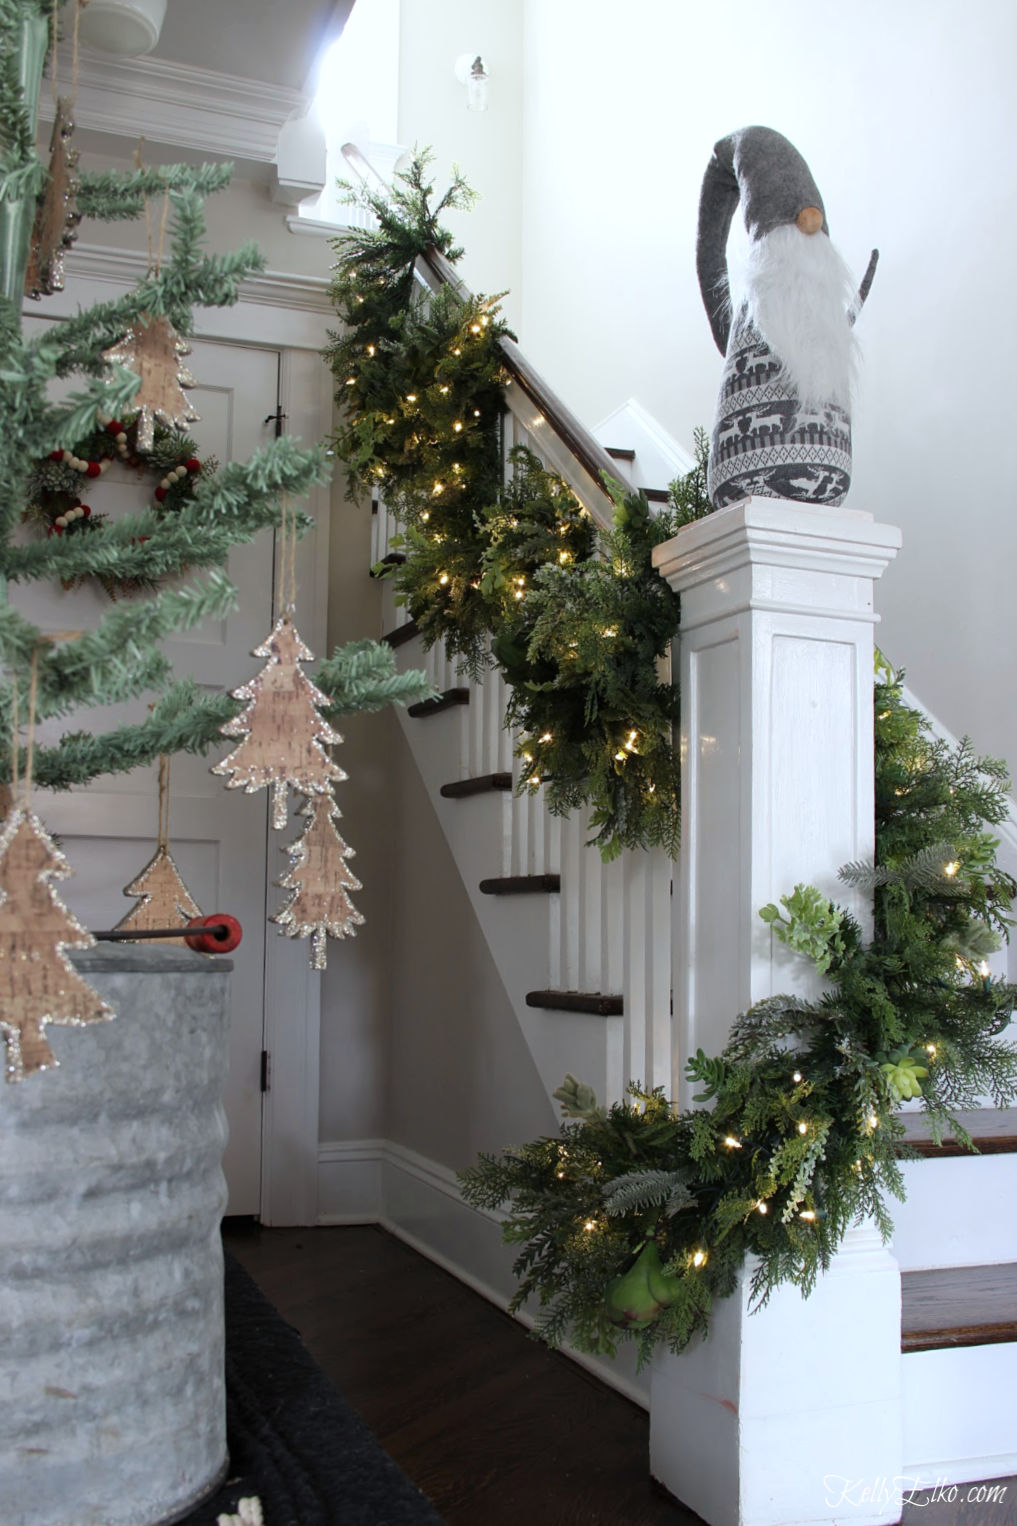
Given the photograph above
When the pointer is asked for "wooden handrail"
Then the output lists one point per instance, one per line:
(588, 452)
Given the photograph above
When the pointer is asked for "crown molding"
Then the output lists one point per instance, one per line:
(270, 288)
(174, 104)
(277, 308)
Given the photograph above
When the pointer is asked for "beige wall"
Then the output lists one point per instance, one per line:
(460, 1077)
(243, 211)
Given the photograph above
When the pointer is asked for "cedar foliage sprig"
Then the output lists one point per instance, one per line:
(507, 566)
(804, 1136)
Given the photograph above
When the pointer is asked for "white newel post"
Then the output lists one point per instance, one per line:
(790, 1415)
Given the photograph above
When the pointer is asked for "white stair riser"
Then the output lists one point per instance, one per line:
(958, 1411)
(956, 1212)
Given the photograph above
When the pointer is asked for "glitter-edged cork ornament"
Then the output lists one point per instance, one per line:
(38, 983)
(319, 878)
(165, 899)
(153, 349)
(56, 215)
(284, 735)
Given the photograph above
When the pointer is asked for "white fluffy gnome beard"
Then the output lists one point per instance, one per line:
(798, 294)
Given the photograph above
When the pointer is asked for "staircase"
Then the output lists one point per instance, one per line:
(956, 1243)
(584, 951)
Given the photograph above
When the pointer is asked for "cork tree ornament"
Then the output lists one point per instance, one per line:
(56, 214)
(284, 736)
(38, 983)
(165, 899)
(153, 349)
(320, 880)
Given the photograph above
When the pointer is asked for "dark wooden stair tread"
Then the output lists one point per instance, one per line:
(481, 784)
(402, 633)
(620, 453)
(444, 701)
(521, 884)
(656, 494)
(994, 1131)
(597, 1003)
(958, 1306)
(393, 559)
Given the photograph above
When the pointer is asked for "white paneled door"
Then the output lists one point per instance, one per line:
(218, 837)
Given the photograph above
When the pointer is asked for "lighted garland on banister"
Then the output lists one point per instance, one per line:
(636, 1217)
(516, 573)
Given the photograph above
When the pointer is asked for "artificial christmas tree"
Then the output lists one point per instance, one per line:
(110, 1184)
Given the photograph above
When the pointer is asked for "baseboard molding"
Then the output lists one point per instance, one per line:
(349, 1181)
(377, 1181)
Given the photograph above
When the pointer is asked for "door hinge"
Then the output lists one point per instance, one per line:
(264, 1070)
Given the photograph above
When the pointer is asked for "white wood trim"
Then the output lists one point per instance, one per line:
(177, 104)
(289, 1173)
(276, 309)
(419, 1201)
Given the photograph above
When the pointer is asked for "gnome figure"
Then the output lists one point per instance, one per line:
(783, 426)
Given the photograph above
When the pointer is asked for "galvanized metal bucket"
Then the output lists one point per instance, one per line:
(112, 1391)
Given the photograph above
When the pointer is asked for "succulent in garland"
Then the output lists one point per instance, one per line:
(636, 1216)
(507, 567)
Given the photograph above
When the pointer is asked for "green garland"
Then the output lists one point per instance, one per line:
(635, 1218)
(511, 571)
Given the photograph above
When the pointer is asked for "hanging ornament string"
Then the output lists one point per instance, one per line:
(164, 797)
(56, 49)
(155, 247)
(79, 6)
(15, 740)
(286, 568)
(33, 694)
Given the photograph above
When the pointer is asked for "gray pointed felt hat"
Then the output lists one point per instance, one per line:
(765, 441)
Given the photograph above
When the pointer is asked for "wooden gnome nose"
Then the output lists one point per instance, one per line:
(809, 220)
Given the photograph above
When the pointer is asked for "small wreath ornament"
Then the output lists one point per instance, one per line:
(55, 488)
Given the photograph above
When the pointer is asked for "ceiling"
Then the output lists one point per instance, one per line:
(266, 40)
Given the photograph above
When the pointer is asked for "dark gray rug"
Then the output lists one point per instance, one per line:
(293, 1440)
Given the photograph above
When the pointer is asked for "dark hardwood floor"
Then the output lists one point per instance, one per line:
(493, 1427)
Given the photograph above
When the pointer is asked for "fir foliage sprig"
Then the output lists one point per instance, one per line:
(635, 1218)
(506, 565)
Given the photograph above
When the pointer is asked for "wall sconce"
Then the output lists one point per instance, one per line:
(127, 27)
(471, 71)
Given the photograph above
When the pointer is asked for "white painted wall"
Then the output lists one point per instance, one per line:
(907, 115)
(486, 145)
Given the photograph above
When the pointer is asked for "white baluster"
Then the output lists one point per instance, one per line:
(646, 981)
